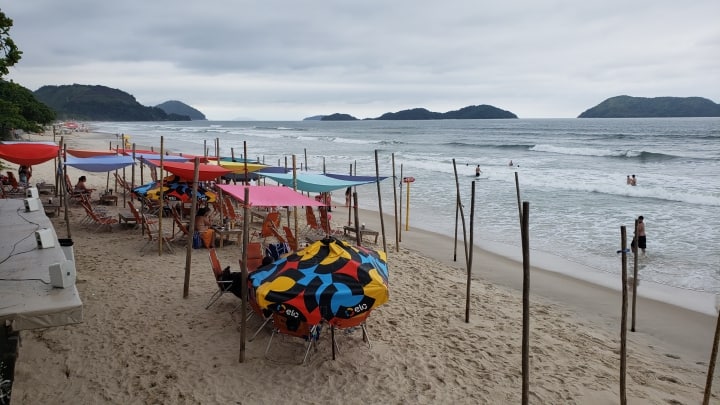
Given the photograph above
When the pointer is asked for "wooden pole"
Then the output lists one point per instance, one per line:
(247, 181)
(244, 278)
(635, 279)
(295, 213)
(193, 208)
(306, 164)
(713, 358)
(395, 202)
(517, 190)
(132, 173)
(358, 236)
(470, 256)
(623, 318)
(67, 192)
(525, 235)
(377, 181)
(400, 206)
(161, 214)
(459, 205)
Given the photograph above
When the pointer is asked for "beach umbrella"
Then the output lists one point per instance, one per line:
(174, 190)
(328, 280)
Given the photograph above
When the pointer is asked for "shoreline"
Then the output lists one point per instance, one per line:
(668, 322)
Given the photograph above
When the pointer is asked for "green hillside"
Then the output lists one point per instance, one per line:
(99, 103)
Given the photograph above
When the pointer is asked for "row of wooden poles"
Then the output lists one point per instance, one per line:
(524, 218)
(524, 214)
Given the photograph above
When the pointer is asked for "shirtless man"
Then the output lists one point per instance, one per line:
(641, 234)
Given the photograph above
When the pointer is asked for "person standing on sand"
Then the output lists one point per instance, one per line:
(642, 242)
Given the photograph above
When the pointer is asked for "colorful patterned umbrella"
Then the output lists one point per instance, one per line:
(174, 190)
(327, 280)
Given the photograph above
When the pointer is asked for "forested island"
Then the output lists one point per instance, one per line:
(657, 107)
(473, 112)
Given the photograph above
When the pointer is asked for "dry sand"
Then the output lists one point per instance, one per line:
(141, 342)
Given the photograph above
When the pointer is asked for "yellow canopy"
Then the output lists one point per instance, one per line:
(239, 167)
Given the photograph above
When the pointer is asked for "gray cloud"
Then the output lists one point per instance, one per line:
(291, 59)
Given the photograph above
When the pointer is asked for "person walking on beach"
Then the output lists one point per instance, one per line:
(24, 174)
(641, 241)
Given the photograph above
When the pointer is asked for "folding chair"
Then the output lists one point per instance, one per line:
(349, 325)
(294, 327)
(325, 222)
(224, 286)
(291, 240)
(153, 236)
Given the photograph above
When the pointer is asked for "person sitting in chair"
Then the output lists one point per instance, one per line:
(203, 227)
(82, 187)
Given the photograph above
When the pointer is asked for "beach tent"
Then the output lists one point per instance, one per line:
(186, 170)
(320, 183)
(269, 196)
(28, 153)
(99, 163)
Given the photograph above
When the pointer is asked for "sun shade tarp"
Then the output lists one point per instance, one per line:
(239, 167)
(90, 153)
(28, 153)
(269, 196)
(186, 170)
(156, 156)
(317, 183)
(99, 163)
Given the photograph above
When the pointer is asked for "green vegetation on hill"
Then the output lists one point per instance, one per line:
(473, 112)
(180, 108)
(99, 103)
(338, 117)
(641, 107)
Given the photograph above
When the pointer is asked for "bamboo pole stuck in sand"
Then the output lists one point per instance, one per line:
(623, 318)
(517, 191)
(161, 213)
(634, 280)
(191, 232)
(470, 255)
(525, 236)
(244, 276)
(382, 220)
(459, 206)
(713, 356)
(400, 207)
(395, 202)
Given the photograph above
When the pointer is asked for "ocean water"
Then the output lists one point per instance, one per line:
(571, 171)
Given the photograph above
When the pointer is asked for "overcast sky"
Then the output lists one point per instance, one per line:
(287, 60)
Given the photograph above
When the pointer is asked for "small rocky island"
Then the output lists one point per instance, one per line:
(473, 112)
(657, 107)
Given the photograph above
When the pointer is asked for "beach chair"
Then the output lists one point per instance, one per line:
(139, 219)
(284, 325)
(312, 230)
(153, 235)
(255, 256)
(325, 224)
(271, 221)
(290, 238)
(182, 231)
(350, 325)
(224, 285)
(99, 219)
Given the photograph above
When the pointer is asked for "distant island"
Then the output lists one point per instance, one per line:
(473, 112)
(100, 103)
(180, 108)
(658, 107)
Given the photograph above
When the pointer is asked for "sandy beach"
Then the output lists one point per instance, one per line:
(141, 342)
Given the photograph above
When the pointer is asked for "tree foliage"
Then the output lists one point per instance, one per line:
(19, 109)
(9, 52)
